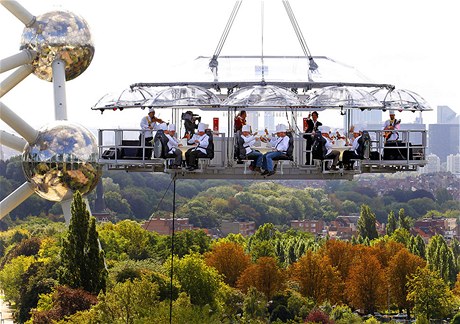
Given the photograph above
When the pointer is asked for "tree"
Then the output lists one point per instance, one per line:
(340, 254)
(404, 221)
(82, 263)
(440, 258)
(392, 223)
(229, 259)
(317, 278)
(254, 305)
(198, 280)
(65, 301)
(366, 223)
(431, 296)
(400, 268)
(265, 276)
(417, 246)
(127, 301)
(11, 274)
(365, 285)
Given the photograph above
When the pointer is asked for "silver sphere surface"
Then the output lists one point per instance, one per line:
(62, 160)
(59, 35)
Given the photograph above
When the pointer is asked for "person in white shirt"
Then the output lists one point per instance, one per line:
(330, 153)
(148, 124)
(352, 153)
(391, 125)
(251, 154)
(280, 145)
(173, 147)
(201, 140)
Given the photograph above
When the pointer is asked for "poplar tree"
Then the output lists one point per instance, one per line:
(82, 263)
(392, 223)
(366, 224)
(441, 259)
(404, 221)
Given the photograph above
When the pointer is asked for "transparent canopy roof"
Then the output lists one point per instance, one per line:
(401, 99)
(262, 96)
(183, 96)
(125, 98)
(343, 97)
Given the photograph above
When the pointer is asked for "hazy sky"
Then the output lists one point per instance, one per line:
(412, 44)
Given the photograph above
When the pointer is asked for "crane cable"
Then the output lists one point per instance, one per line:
(213, 62)
(298, 31)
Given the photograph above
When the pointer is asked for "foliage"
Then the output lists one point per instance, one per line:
(430, 294)
(229, 259)
(198, 280)
(318, 279)
(254, 305)
(65, 302)
(264, 275)
(441, 259)
(366, 223)
(392, 223)
(318, 316)
(402, 267)
(365, 284)
(82, 263)
(11, 276)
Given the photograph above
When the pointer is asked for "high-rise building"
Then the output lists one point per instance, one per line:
(433, 165)
(252, 119)
(269, 121)
(453, 163)
(443, 140)
(365, 118)
(445, 115)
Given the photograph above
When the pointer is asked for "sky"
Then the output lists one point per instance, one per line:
(411, 44)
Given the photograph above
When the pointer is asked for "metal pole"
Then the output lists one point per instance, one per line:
(172, 252)
(12, 141)
(19, 11)
(21, 58)
(15, 198)
(16, 77)
(18, 124)
(60, 103)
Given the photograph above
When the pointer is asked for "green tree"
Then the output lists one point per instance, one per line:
(404, 221)
(392, 223)
(366, 223)
(440, 258)
(82, 264)
(11, 276)
(254, 305)
(198, 280)
(431, 296)
(417, 246)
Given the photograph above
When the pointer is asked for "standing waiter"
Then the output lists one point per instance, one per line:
(312, 127)
(148, 124)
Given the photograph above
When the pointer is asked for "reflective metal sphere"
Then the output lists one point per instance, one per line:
(59, 34)
(61, 161)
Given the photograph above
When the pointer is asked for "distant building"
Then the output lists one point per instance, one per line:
(444, 139)
(252, 120)
(428, 227)
(366, 117)
(269, 121)
(163, 226)
(313, 226)
(433, 165)
(243, 228)
(445, 115)
(453, 163)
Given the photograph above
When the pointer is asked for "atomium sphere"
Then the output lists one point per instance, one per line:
(59, 35)
(62, 160)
